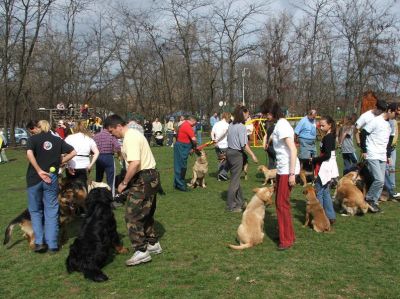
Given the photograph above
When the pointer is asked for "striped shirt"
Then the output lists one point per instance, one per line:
(106, 143)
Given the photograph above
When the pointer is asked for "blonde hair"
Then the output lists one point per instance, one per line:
(43, 126)
(81, 127)
(226, 116)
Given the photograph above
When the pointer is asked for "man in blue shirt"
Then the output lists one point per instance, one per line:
(214, 119)
(306, 132)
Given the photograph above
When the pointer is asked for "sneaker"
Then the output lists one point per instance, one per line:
(222, 177)
(154, 249)
(373, 207)
(42, 248)
(396, 195)
(283, 248)
(139, 257)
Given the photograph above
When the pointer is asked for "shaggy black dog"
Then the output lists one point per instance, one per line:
(98, 235)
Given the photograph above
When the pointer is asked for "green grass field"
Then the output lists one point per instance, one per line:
(359, 259)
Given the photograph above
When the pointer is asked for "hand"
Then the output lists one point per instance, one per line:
(71, 171)
(389, 161)
(292, 180)
(364, 155)
(45, 176)
(89, 168)
(121, 187)
(255, 159)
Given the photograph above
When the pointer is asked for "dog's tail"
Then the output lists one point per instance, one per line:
(241, 246)
(17, 220)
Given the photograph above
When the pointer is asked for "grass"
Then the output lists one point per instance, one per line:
(359, 259)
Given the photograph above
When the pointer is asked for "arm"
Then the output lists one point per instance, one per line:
(133, 168)
(396, 135)
(265, 143)
(96, 154)
(68, 157)
(250, 152)
(363, 142)
(293, 157)
(45, 176)
(328, 146)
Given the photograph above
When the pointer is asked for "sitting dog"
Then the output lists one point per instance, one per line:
(251, 230)
(200, 169)
(349, 196)
(67, 212)
(270, 174)
(91, 249)
(315, 211)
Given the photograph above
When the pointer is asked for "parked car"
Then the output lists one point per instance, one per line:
(21, 136)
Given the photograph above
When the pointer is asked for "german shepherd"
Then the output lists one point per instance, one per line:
(71, 197)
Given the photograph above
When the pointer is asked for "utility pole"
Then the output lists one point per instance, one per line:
(245, 72)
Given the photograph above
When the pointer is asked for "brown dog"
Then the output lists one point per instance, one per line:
(314, 209)
(251, 230)
(200, 169)
(349, 196)
(270, 174)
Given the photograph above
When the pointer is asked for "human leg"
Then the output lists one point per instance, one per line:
(35, 206)
(51, 208)
(234, 196)
(283, 212)
(377, 170)
(325, 199)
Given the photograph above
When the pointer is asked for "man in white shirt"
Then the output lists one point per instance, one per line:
(375, 146)
(367, 116)
(219, 135)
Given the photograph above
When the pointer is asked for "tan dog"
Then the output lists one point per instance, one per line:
(314, 209)
(270, 174)
(349, 196)
(200, 169)
(251, 230)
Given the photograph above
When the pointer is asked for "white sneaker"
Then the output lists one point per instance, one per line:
(396, 195)
(139, 257)
(154, 249)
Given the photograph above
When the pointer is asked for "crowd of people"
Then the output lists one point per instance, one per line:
(73, 146)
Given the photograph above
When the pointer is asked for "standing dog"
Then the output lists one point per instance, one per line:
(270, 174)
(315, 211)
(200, 169)
(350, 196)
(251, 230)
(91, 249)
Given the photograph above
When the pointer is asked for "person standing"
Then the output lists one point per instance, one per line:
(84, 145)
(306, 132)
(107, 145)
(185, 142)
(44, 152)
(345, 137)
(170, 130)
(148, 130)
(199, 131)
(287, 166)
(376, 149)
(156, 126)
(3, 145)
(214, 119)
(390, 173)
(219, 135)
(143, 182)
(237, 145)
(326, 167)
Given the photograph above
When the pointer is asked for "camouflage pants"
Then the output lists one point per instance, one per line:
(140, 208)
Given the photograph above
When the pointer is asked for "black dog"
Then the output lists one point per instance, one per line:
(91, 249)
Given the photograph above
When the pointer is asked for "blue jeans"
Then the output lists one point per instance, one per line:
(390, 175)
(307, 148)
(324, 197)
(377, 170)
(105, 163)
(43, 207)
(181, 154)
(349, 161)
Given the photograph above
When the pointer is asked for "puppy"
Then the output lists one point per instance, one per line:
(349, 196)
(91, 249)
(270, 174)
(200, 169)
(314, 209)
(251, 230)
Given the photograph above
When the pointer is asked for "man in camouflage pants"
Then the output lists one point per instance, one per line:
(143, 182)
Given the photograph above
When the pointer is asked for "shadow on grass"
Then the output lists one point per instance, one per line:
(159, 229)
(15, 243)
(271, 226)
(224, 195)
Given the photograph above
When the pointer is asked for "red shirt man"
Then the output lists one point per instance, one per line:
(186, 132)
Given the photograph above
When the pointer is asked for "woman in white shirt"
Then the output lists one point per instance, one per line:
(84, 145)
(219, 135)
(287, 166)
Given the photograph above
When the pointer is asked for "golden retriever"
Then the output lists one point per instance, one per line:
(349, 196)
(200, 169)
(251, 230)
(270, 174)
(315, 211)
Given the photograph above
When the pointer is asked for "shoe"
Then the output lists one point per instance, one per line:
(181, 189)
(395, 195)
(283, 248)
(222, 177)
(235, 210)
(139, 257)
(53, 250)
(373, 207)
(332, 221)
(154, 249)
(42, 248)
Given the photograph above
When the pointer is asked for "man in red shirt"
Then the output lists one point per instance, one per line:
(185, 141)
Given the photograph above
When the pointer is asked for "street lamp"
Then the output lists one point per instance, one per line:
(245, 72)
